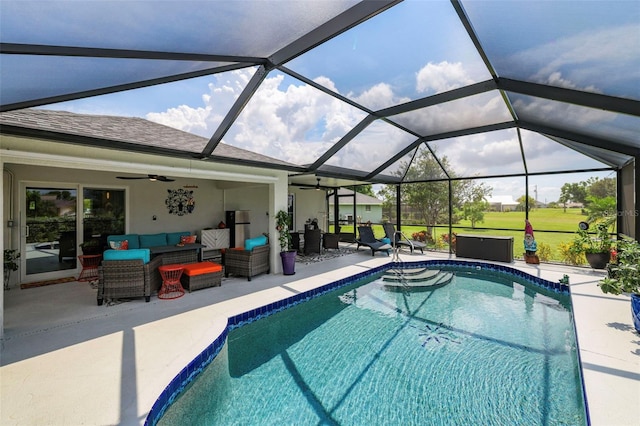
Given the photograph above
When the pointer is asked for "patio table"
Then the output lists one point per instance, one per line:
(174, 249)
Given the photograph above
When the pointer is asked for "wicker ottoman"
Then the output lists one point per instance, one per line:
(201, 275)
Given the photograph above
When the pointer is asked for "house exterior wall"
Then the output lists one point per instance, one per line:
(308, 205)
(215, 185)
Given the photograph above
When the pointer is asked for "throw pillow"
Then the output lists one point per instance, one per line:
(188, 239)
(119, 245)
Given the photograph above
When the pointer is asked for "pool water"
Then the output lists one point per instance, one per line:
(482, 349)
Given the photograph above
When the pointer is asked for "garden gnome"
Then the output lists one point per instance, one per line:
(530, 245)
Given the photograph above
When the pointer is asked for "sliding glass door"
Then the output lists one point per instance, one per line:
(49, 232)
(62, 222)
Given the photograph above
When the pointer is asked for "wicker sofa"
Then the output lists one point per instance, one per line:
(247, 263)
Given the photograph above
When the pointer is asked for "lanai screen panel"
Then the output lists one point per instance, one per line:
(473, 111)
(608, 157)
(291, 121)
(398, 169)
(242, 28)
(545, 155)
(195, 105)
(484, 154)
(59, 75)
(586, 45)
(372, 147)
(425, 166)
(380, 63)
(582, 120)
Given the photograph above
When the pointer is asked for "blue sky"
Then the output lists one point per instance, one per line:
(416, 49)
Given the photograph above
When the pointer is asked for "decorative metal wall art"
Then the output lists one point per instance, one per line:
(180, 201)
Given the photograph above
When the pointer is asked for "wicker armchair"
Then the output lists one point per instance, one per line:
(247, 263)
(123, 279)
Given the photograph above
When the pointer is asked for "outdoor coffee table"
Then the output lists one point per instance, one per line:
(171, 287)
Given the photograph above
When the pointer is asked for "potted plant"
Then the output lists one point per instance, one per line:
(91, 247)
(288, 256)
(10, 265)
(624, 276)
(596, 247)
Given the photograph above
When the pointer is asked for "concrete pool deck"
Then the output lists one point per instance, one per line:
(66, 361)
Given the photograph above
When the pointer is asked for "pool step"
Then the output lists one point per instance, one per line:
(416, 278)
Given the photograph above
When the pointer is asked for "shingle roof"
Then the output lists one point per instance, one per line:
(131, 130)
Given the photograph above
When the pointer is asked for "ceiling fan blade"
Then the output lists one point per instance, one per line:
(152, 178)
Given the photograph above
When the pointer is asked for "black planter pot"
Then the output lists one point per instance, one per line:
(598, 260)
(288, 262)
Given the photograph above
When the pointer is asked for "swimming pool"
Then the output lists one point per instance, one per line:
(484, 348)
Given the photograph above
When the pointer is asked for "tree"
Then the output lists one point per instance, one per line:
(522, 205)
(594, 186)
(474, 211)
(600, 208)
(430, 200)
(365, 189)
(573, 192)
(473, 198)
(388, 195)
(602, 188)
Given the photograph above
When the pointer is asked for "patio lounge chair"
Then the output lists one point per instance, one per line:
(367, 239)
(401, 239)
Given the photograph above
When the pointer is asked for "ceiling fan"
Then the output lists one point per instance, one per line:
(152, 178)
(317, 187)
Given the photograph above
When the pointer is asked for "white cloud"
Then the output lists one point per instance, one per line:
(438, 78)
(183, 117)
(598, 52)
(379, 96)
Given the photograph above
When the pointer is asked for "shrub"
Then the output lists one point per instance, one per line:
(544, 252)
(571, 254)
(422, 236)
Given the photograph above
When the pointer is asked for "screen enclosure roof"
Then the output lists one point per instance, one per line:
(350, 91)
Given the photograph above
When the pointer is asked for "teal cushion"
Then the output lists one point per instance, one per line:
(173, 238)
(143, 254)
(131, 238)
(255, 242)
(153, 240)
(386, 240)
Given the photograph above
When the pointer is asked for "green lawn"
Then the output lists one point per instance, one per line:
(541, 219)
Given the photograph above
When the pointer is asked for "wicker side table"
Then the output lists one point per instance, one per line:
(171, 286)
(90, 263)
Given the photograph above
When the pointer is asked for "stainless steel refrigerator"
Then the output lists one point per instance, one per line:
(238, 223)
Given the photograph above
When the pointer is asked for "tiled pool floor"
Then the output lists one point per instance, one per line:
(66, 361)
